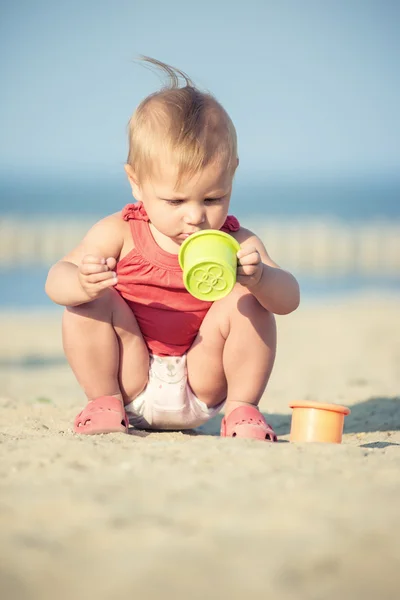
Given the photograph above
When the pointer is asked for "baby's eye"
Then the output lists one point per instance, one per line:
(212, 200)
(174, 202)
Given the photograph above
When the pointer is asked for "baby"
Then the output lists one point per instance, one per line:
(142, 348)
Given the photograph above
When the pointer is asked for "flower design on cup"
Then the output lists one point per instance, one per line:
(209, 278)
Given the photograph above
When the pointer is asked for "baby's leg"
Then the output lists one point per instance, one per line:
(234, 352)
(105, 348)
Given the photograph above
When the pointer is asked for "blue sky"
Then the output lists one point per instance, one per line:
(312, 86)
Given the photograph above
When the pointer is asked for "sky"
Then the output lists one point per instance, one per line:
(312, 86)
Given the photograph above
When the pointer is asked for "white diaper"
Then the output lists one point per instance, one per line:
(168, 402)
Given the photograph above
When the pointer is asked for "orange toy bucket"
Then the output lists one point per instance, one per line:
(317, 422)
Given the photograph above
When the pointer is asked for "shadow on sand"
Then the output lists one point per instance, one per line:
(372, 415)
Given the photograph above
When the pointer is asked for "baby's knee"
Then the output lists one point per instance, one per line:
(243, 301)
(100, 306)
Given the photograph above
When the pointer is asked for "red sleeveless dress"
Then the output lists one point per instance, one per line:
(150, 281)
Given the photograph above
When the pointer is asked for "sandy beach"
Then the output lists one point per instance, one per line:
(191, 515)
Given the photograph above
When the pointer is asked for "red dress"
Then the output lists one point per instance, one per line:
(150, 280)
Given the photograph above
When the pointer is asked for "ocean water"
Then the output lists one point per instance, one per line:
(352, 200)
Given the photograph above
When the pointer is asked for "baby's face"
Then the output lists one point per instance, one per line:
(200, 202)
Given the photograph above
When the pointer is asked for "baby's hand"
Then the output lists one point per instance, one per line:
(250, 266)
(96, 274)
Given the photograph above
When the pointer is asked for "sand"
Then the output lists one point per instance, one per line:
(191, 515)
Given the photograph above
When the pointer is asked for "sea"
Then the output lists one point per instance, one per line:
(351, 199)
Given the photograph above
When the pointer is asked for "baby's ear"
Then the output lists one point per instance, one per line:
(131, 175)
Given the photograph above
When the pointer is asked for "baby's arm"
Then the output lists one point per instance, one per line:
(88, 270)
(276, 290)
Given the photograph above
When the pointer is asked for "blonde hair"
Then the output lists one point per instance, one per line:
(188, 124)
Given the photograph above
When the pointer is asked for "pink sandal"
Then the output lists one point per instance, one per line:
(247, 422)
(103, 415)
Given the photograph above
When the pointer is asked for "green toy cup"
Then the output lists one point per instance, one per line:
(208, 260)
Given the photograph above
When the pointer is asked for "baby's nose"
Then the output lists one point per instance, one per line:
(195, 216)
